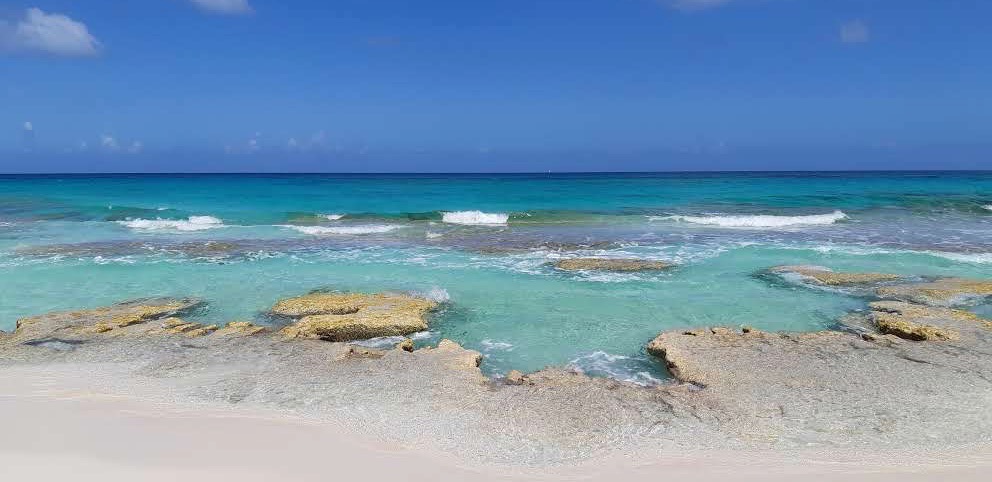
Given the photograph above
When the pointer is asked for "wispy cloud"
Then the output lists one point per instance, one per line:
(109, 143)
(226, 7)
(855, 32)
(49, 33)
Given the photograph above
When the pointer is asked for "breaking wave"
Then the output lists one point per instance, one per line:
(332, 217)
(617, 367)
(346, 230)
(475, 218)
(193, 223)
(759, 220)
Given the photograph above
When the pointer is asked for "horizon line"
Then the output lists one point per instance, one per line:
(380, 173)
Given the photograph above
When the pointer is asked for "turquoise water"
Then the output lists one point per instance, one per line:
(242, 242)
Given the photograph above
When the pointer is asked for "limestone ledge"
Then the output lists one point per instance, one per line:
(947, 292)
(353, 316)
(823, 276)
(611, 264)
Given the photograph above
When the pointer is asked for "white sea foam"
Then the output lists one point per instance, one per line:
(475, 218)
(385, 342)
(435, 294)
(758, 220)
(617, 367)
(380, 342)
(346, 230)
(332, 217)
(987, 207)
(194, 223)
(975, 258)
(492, 345)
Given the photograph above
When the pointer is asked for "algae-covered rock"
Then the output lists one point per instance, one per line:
(919, 322)
(608, 264)
(354, 316)
(320, 303)
(940, 292)
(820, 275)
(109, 318)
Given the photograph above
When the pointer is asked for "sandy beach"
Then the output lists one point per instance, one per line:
(56, 429)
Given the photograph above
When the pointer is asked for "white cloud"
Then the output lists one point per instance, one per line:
(227, 7)
(855, 32)
(109, 143)
(28, 126)
(136, 147)
(53, 33)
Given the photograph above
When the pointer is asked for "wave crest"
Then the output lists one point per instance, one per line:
(346, 230)
(759, 220)
(193, 223)
(475, 218)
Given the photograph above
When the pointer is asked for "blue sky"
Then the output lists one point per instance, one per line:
(439, 85)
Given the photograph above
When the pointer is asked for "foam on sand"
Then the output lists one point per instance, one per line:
(475, 218)
(193, 223)
(759, 220)
(346, 230)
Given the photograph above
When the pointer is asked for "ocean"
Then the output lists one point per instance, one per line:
(484, 245)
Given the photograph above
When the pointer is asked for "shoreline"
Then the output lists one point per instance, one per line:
(902, 391)
(55, 429)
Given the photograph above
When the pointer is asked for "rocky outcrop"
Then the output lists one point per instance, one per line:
(839, 383)
(917, 322)
(109, 318)
(940, 292)
(608, 264)
(354, 316)
(819, 275)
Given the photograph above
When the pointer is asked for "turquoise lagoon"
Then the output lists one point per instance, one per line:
(483, 244)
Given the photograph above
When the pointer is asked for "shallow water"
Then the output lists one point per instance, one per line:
(243, 242)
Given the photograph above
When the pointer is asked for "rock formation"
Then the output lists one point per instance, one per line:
(354, 316)
(608, 264)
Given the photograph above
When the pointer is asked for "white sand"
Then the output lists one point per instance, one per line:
(51, 430)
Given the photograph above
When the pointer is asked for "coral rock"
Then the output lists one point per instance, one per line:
(346, 317)
(606, 264)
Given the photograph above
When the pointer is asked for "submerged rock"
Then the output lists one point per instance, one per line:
(940, 292)
(608, 264)
(354, 316)
(826, 277)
